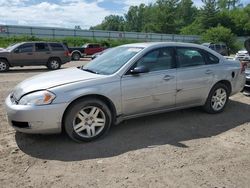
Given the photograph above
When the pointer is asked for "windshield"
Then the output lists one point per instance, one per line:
(12, 47)
(112, 60)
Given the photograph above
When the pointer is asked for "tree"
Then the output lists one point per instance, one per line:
(222, 4)
(228, 4)
(135, 18)
(241, 20)
(111, 23)
(186, 13)
(205, 19)
(209, 14)
(78, 27)
(181, 16)
(195, 28)
(150, 23)
(220, 34)
(166, 15)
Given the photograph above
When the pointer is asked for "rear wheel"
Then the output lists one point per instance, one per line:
(87, 120)
(217, 99)
(54, 64)
(4, 65)
(76, 56)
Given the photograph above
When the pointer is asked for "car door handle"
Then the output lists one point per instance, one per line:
(48, 53)
(209, 72)
(168, 77)
(30, 53)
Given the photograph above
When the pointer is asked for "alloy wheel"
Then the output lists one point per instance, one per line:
(89, 122)
(3, 66)
(54, 64)
(76, 56)
(219, 99)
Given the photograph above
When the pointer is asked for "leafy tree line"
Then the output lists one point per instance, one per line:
(215, 21)
(181, 17)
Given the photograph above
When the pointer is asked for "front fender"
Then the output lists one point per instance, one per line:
(110, 91)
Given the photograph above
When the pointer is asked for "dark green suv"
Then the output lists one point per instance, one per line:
(50, 54)
(220, 48)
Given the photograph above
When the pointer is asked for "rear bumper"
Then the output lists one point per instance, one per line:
(45, 119)
(238, 84)
(65, 60)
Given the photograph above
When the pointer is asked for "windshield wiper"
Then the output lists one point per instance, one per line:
(89, 70)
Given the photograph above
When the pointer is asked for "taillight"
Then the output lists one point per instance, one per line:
(243, 66)
(66, 53)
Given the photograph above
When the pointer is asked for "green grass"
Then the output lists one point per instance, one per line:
(71, 41)
(78, 41)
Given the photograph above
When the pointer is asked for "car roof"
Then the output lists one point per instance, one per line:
(209, 43)
(152, 45)
(156, 44)
(39, 42)
(91, 44)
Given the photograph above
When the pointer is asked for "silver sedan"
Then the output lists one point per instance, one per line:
(126, 82)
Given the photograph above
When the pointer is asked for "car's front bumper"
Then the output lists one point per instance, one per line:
(247, 85)
(35, 119)
(241, 57)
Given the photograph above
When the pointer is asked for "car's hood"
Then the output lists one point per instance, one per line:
(242, 52)
(2, 50)
(52, 79)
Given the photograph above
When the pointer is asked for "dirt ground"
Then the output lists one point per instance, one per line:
(186, 148)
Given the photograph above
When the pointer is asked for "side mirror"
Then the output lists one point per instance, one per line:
(16, 50)
(140, 69)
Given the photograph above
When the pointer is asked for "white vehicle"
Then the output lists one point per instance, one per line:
(242, 55)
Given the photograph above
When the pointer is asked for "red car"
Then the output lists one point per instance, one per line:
(90, 49)
(85, 50)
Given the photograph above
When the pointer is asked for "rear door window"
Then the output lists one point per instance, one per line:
(41, 47)
(56, 47)
(218, 47)
(212, 46)
(223, 47)
(189, 57)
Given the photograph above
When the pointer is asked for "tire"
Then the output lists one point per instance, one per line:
(54, 64)
(4, 65)
(79, 123)
(76, 56)
(217, 99)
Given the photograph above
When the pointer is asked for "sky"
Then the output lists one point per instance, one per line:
(65, 13)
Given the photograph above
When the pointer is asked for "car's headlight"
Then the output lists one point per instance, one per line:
(37, 98)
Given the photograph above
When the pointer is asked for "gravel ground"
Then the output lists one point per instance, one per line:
(185, 148)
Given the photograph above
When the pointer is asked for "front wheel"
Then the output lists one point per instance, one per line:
(87, 120)
(4, 65)
(217, 99)
(54, 64)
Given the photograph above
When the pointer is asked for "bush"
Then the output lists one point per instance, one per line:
(6, 41)
(221, 34)
(71, 41)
